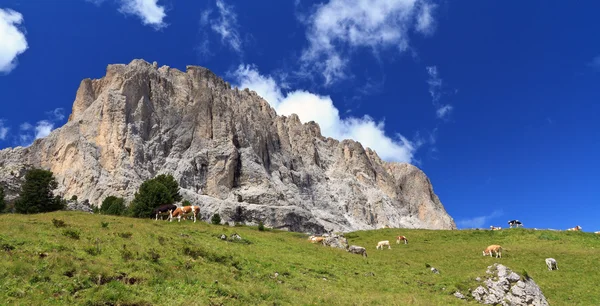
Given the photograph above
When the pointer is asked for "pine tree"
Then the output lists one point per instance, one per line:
(36, 194)
(150, 195)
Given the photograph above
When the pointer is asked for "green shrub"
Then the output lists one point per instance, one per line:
(125, 235)
(93, 250)
(126, 254)
(74, 198)
(261, 226)
(153, 256)
(58, 223)
(216, 219)
(104, 224)
(73, 234)
(113, 206)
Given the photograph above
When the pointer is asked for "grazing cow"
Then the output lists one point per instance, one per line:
(355, 249)
(383, 243)
(494, 248)
(597, 233)
(495, 228)
(186, 211)
(401, 238)
(515, 223)
(316, 239)
(576, 228)
(164, 210)
(551, 263)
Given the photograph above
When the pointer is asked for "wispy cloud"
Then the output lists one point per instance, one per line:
(321, 109)
(29, 133)
(479, 222)
(435, 90)
(338, 27)
(149, 11)
(12, 39)
(224, 24)
(3, 130)
(595, 62)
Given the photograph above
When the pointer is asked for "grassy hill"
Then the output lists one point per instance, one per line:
(105, 260)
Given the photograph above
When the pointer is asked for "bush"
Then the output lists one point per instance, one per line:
(261, 226)
(216, 219)
(125, 235)
(113, 206)
(36, 194)
(150, 195)
(93, 250)
(104, 224)
(2, 201)
(58, 223)
(73, 234)
(74, 198)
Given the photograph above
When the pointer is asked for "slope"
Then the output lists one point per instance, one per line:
(143, 262)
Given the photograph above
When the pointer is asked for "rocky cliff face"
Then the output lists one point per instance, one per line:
(227, 148)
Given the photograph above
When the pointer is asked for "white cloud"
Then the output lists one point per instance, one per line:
(425, 21)
(444, 111)
(57, 114)
(479, 222)
(339, 26)
(312, 107)
(435, 90)
(12, 39)
(148, 11)
(43, 129)
(3, 130)
(26, 126)
(225, 25)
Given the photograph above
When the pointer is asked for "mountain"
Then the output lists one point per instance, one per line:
(227, 148)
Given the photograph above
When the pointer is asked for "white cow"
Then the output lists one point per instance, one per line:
(383, 243)
(551, 263)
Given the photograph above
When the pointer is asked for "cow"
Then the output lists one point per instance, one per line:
(494, 248)
(383, 243)
(551, 263)
(515, 223)
(401, 238)
(164, 210)
(316, 239)
(576, 228)
(495, 228)
(355, 249)
(185, 211)
(597, 233)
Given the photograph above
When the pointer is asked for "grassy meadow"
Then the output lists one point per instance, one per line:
(107, 260)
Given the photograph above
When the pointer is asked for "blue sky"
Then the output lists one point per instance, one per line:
(496, 101)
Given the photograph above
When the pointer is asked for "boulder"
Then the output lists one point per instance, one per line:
(502, 286)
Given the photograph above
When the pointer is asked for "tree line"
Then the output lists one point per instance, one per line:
(37, 196)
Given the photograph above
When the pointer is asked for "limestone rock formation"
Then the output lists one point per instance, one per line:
(227, 148)
(505, 287)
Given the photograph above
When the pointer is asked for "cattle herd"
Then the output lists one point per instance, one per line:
(172, 211)
(491, 250)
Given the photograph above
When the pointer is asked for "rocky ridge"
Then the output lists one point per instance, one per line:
(227, 148)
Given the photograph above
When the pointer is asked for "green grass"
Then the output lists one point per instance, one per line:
(146, 262)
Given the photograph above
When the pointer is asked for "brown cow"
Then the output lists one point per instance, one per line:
(494, 248)
(186, 211)
(401, 238)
